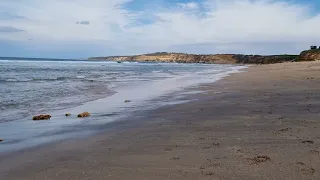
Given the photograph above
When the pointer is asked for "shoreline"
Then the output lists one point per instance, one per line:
(103, 112)
(246, 126)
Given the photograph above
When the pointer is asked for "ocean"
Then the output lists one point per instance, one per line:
(31, 87)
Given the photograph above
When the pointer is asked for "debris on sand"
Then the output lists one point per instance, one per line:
(207, 173)
(308, 141)
(285, 129)
(300, 163)
(308, 171)
(314, 152)
(260, 159)
(175, 158)
(127, 101)
(84, 114)
(41, 117)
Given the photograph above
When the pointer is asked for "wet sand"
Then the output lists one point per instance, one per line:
(260, 124)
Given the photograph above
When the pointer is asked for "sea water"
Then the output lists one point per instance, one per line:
(32, 87)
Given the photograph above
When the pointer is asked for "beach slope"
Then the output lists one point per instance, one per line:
(262, 124)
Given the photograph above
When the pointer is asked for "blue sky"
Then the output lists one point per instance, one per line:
(82, 28)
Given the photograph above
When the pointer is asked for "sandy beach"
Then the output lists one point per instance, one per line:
(262, 124)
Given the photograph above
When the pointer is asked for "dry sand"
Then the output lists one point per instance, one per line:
(260, 124)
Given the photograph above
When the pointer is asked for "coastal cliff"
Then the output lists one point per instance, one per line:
(173, 57)
(309, 55)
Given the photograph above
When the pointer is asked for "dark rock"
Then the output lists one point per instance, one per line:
(68, 114)
(41, 117)
(127, 101)
(84, 114)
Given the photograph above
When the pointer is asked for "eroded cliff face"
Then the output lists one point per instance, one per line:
(196, 58)
(310, 55)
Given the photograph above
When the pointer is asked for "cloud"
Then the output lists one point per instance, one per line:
(83, 22)
(9, 29)
(9, 16)
(240, 22)
(55, 20)
(206, 26)
(189, 5)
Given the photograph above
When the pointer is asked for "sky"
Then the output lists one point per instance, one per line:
(86, 28)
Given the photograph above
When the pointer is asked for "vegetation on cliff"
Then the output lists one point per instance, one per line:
(257, 59)
(310, 55)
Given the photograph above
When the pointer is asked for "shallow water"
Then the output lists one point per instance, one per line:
(56, 87)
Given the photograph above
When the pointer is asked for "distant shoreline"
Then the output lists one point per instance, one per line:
(309, 55)
(202, 58)
(168, 57)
